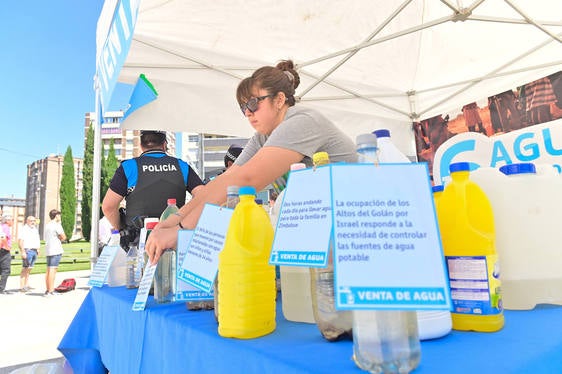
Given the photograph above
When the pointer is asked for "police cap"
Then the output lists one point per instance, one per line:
(155, 136)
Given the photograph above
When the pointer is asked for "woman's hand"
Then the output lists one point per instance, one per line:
(160, 239)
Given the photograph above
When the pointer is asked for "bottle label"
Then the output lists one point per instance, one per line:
(304, 224)
(184, 290)
(102, 266)
(475, 284)
(144, 287)
(201, 252)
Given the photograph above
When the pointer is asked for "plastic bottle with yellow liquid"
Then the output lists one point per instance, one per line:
(296, 298)
(466, 224)
(246, 280)
(333, 324)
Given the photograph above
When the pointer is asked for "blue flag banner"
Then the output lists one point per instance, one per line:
(143, 93)
(116, 47)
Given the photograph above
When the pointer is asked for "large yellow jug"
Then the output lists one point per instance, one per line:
(466, 224)
(246, 281)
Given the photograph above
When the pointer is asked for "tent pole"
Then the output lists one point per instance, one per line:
(202, 155)
(533, 22)
(353, 52)
(96, 175)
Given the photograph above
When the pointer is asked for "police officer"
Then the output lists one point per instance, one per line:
(147, 181)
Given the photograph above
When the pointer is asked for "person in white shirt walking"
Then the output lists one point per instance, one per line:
(29, 244)
(54, 234)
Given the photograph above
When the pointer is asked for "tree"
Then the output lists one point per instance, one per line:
(68, 194)
(110, 164)
(87, 183)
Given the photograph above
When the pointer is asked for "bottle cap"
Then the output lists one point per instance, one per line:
(521, 168)
(366, 139)
(320, 158)
(382, 133)
(247, 190)
(437, 188)
(171, 201)
(114, 231)
(298, 165)
(459, 166)
(232, 190)
(151, 225)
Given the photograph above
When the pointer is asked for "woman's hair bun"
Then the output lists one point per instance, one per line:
(288, 67)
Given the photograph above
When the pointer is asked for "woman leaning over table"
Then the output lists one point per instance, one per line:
(285, 134)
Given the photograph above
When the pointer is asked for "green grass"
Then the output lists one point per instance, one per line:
(76, 256)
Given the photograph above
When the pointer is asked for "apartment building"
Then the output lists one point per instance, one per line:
(43, 186)
(205, 152)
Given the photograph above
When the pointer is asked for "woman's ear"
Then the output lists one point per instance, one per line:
(280, 99)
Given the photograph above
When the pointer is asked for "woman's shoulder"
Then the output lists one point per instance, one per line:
(304, 116)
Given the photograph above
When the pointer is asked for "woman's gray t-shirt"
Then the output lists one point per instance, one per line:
(305, 131)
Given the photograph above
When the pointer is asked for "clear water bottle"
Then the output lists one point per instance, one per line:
(165, 277)
(117, 274)
(296, 300)
(232, 199)
(333, 324)
(431, 323)
(388, 152)
(115, 238)
(367, 148)
(133, 275)
(384, 341)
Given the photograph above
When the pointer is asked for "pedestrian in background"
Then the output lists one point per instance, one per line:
(231, 155)
(5, 253)
(54, 235)
(29, 244)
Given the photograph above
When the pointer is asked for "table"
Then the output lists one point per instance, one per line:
(170, 339)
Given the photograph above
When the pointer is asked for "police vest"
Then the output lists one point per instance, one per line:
(158, 179)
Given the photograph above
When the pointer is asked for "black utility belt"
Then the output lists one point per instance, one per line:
(2, 250)
(31, 249)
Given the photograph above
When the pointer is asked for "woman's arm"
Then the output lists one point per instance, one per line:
(263, 168)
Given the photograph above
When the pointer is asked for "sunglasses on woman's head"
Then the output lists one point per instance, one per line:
(253, 104)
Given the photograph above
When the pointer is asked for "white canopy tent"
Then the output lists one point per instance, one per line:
(366, 64)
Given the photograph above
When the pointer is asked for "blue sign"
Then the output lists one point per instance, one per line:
(201, 255)
(184, 290)
(540, 144)
(101, 268)
(387, 251)
(302, 236)
(116, 48)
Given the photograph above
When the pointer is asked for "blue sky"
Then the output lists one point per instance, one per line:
(47, 69)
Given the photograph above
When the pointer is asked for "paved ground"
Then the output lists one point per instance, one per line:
(35, 324)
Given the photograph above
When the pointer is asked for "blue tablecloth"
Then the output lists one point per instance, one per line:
(171, 339)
